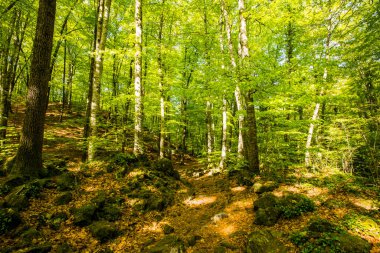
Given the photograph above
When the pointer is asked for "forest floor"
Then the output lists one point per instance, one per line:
(210, 212)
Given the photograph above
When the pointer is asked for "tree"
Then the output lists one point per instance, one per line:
(28, 160)
(137, 147)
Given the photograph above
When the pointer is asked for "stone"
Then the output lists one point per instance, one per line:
(165, 166)
(321, 226)
(84, 215)
(169, 244)
(9, 219)
(267, 186)
(66, 181)
(294, 205)
(64, 198)
(265, 241)
(103, 230)
(267, 210)
(30, 234)
(218, 217)
(193, 240)
(167, 229)
(353, 244)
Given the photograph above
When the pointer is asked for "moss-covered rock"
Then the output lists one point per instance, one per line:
(168, 244)
(165, 166)
(264, 186)
(267, 210)
(9, 219)
(167, 229)
(64, 248)
(323, 236)
(84, 216)
(103, 230)
(265, 241)
(67, 181)
(64, 198)
(242, 175)
(30, 234)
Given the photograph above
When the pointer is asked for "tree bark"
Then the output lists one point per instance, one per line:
(161, 85)
(138, 146)
(101, 37)
(28, 160)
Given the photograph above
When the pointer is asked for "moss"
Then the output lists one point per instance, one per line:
(265, 241)
(103, 231)
(294, 205)
(9, 219)
(84, 215)
(64, 198)
(67, 181)
(168, 244)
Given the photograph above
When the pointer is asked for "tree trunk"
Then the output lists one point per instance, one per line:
(138, 146)
(223, 157)
(28, 160)
(161, 86)
(101, 37)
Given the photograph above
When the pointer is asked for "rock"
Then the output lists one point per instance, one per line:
(9, 219)
(103, 231)
(66, 181)
(56, 219)
(17, 199)
(321, 226)
(267, 210)
(267, 200)
(218, 217)
(84, 215)
(30, 234)
(64, 198)
(55, 167)
(261, 187)
(169, 244)
(45, 248)
(167, 229)
(64, 248)
(294, 205)
(267, 217)
(353, 244)
(242, 176)
(109, 212)
(166, 166)
(265, 241)
(193, 240)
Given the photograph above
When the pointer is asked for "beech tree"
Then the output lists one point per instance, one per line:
(28, 159)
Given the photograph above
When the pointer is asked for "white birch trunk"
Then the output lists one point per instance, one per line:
(161, 88)
(138, 148)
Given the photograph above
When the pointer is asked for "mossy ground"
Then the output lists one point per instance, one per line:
(191, 204)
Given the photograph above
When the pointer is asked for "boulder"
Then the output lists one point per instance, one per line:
(64, 198)
(294, 205)
(67, 181)
(9, 219)
(103, 230)
(167, 229)
(264, 186)
(267, 210)
(169, 244)
(84, 216)
(265, 241)
(165, 166)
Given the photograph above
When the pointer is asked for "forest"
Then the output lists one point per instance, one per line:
(190, 126)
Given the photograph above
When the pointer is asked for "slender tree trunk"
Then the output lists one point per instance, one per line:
(63, 82)
(101, 37)
(161, 86)
(250, 135)
(223, 157)
(28, 160)
(317, 105)
(138, 146)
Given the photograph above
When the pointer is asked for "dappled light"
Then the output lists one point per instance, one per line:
(201, 200)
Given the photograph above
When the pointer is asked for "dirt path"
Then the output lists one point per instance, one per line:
(212, 211)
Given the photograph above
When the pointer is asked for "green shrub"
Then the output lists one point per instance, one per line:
(294, 205)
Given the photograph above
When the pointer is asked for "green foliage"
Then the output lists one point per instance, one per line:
(362, 224)
(294, 205)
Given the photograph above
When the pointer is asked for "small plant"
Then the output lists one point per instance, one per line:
(294, 205)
